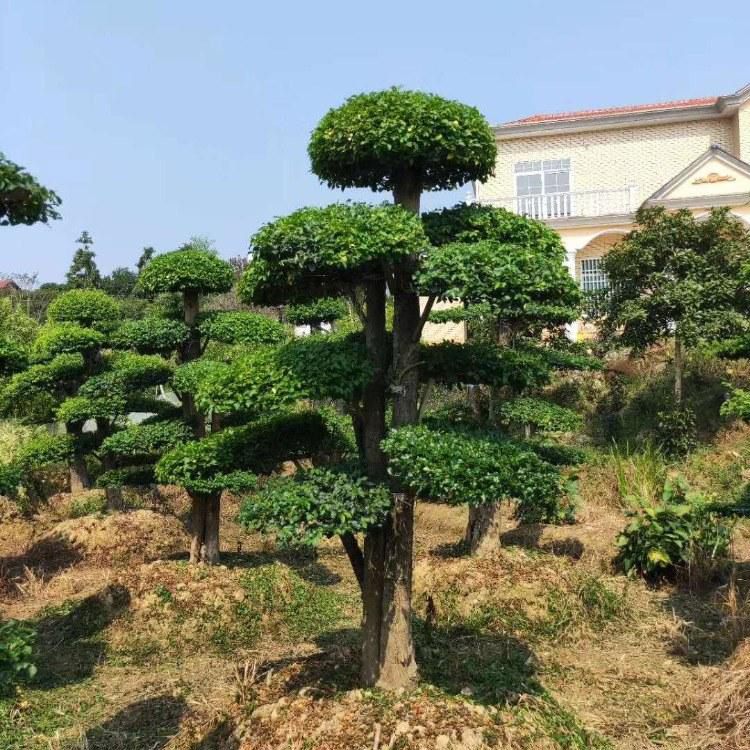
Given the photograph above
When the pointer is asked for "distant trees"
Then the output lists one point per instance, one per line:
(23, 200)
(83, 272)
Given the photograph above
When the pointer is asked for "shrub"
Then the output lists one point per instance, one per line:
(87, 504)
(539, 415)
(16, 649)
(241, 327)
(676, 430)
(187, 270)
(324, 310)
(460, 467)
(143, 442)
(12, 357)
(90, 308)
(65, 338)
(680, 532)
(315, 504)
(150, 335)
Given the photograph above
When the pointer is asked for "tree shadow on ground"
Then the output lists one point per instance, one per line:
(44, 558)
(710, 620)
(529, 536)
(69, 643)
(490, 667)
(146, 725)
(218, 738)
(451, 550)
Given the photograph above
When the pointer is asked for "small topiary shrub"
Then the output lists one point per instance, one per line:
(87, 504)
(16, 649)
(151, 335)
(65, 338)
(676, 431)
(538, 415)
(90, 308)
(680, 533)
(324, 310)
(241, 327)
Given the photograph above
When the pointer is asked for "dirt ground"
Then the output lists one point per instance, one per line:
(543, 645)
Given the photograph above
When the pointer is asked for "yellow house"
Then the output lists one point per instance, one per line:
(586, 173)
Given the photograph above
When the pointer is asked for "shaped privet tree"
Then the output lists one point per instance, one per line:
(316, 313)
(191, 273)
(678, 277)
(509, 272)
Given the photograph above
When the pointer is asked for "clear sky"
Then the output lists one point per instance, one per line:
(155, 121)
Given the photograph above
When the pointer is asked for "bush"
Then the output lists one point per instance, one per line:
(12, 357)
(676, 431)
(241, 327)
(150, 335)
(682, 532)
(187, 270)
(87, 504)
(314, 505)
(460, 467)
(90, 308)
(143, 442)
(16, 649)
(65, 338)
(539, 415)
(324, 310)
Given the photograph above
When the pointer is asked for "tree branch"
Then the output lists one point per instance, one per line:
(423, 317)
(356, 558)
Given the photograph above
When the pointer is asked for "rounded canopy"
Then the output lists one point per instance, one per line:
(376, 140)
(186, 270)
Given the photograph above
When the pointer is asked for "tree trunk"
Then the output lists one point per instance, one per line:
(197, 526)
(483, 529)
(211, 537)
(678, 369)
(79, 475)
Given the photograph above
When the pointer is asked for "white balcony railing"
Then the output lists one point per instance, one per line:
(588, 203)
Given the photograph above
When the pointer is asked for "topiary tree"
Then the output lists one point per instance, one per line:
(90, 308)
(678, 277)
(316, 313)
(22, 199)
(190, 271)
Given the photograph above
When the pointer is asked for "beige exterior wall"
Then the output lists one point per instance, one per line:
(743, 132)
(645, 157)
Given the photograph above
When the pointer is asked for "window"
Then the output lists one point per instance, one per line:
(549, 178)
(594, 285)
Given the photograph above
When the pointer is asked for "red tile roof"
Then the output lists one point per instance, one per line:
(591, 113)
(8, 284)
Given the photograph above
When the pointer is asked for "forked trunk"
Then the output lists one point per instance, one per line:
(484, 529)
(204, 527)
(79, 475)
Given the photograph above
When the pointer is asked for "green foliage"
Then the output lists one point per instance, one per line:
(460, 467)
(12, 357)
(677, 273)
(188, 377)
(87, 504)
(121, 282)
(315, 504)
(473, 222)
(188, 270)
(317, 252)
(679, 532)
(255, 384)
(241, 327)
(676, 431)
(539, 415)
(78, 409)
(44, 449)
(456, 314)
(136, 371)
(482, 363)
(16, 650)
(10, 478)
(737, 405)
(90, 308)
(325, 310)
(522, 285)
(373, 140)
(18, 327)
(65, 338)
(209, 464)
(127, 476)
(150, 335)
(144, 442)
(334, 367)
(22, 199)
(556, 454)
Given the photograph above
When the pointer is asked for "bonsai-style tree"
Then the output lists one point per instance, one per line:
(191, 272)
(316, 313)
(678, 277)
(22, 199)
(83, 272)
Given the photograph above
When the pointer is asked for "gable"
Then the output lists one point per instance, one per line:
(714, 174)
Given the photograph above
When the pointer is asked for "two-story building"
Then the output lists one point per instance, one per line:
(586, 173)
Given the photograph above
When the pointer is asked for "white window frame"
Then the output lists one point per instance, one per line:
(547, 205)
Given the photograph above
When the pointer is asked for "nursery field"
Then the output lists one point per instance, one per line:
(544, 644)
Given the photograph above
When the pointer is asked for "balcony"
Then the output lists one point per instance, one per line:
(574, 205)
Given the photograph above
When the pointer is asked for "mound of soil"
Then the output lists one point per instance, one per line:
(136, 536)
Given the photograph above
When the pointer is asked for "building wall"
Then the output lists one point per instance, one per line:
(645, 157)
(743, 132)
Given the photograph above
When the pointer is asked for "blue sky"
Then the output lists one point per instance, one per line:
(155, 121)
